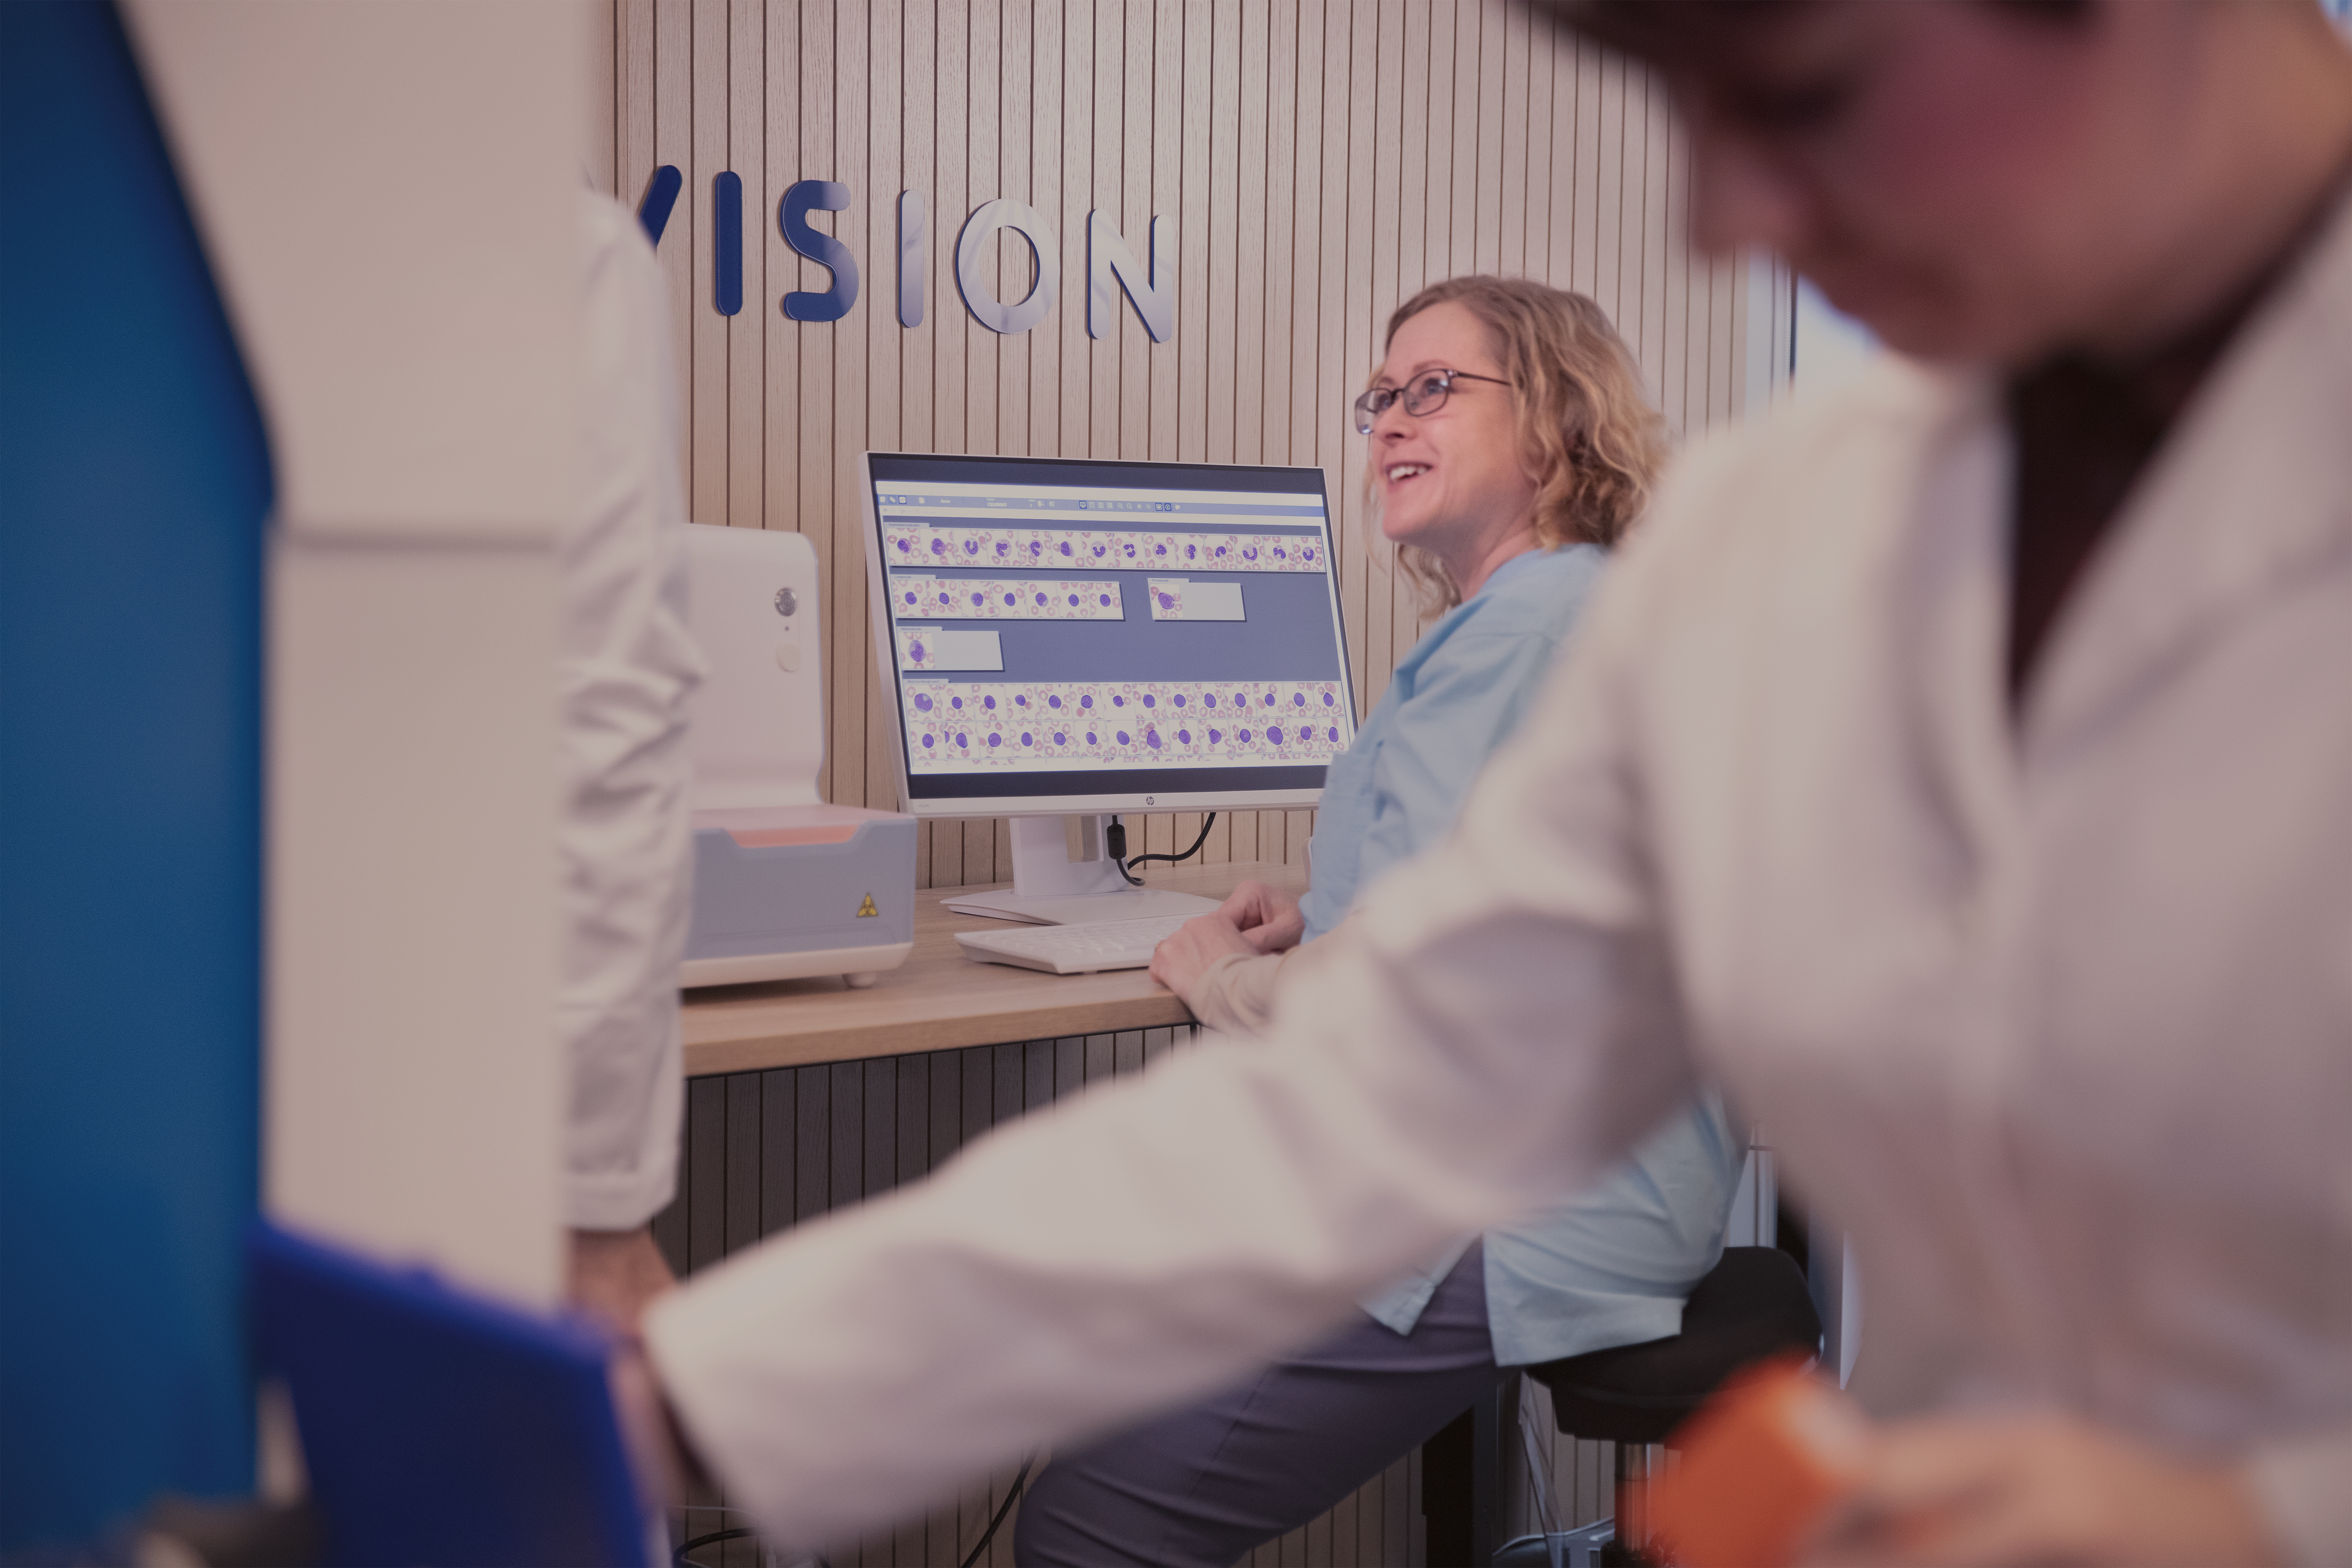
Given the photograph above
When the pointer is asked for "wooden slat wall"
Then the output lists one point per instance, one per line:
(1321, 159)
(765, 1151)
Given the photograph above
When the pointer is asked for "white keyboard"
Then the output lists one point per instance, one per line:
(1073, 948)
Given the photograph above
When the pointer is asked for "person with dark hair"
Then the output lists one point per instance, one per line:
(1511, 444)
(1952, 767)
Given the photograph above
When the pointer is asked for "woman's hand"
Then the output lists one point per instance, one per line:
(2044, 1490)
(1180, 961)
(1265, 917)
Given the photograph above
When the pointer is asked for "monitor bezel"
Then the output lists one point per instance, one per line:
(1172, 798)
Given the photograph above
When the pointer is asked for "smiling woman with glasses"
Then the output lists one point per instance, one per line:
(1510, 446)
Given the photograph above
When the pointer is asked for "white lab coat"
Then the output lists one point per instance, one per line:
(2054, 1014)
(628, 667)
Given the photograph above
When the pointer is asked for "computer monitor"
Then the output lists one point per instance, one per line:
(1078, 638)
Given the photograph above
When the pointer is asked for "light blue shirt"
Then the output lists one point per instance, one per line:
(1611, 1265)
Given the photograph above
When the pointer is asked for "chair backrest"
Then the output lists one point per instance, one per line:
(1751, 1305)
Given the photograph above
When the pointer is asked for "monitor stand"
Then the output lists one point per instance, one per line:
(1062, 875)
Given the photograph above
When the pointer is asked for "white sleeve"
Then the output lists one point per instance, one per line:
(2305, 1492)
(627, 668)
(1494, 1025)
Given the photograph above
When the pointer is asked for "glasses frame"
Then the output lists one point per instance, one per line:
(1376, 401)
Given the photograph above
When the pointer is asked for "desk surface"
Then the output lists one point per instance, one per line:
(939, 1000)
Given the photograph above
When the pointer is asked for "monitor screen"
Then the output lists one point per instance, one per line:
(1080, 635)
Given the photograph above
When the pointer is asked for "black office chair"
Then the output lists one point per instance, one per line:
(1752, 1305)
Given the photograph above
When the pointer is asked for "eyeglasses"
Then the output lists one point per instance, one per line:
(1424, 393)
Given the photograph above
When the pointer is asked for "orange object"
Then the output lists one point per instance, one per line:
(1761, 1463)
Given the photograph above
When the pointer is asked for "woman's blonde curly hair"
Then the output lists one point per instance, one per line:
(1585, 424)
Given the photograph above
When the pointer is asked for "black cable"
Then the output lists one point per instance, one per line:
(1210, 821)
(681, 1560)
(1114, 845)
(716, 1536)
(1002, 1509)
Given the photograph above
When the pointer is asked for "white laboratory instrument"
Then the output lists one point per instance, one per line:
(785, 886)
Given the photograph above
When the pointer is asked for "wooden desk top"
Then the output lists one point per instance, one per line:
(939, 999)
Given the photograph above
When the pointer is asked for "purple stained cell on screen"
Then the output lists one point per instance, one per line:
(989, 703)
(1243, 736)
(911, 596)
(1004, 547)
(1191, 552)
(1105, 601)
(1269, 699)
(1278, 555)
(1298, 699)
(938, 547)
(1090, 739)
(1215, 736)
(1149, 700)
(1012, 599)
(1167, 601)
(1210, 700)
(1334, 735)
(1117, 701)
(1022, 700)
(905, 545)
(971, 547)
(995, 740)
(1220, 552)
(963, 739)
(1183, 737)
(1275, 735)
(1328, 700)
(1027, 739)
(1307, 554)
(980, 599)
(929, 741)
(922, 698)
(1123, 738)
(1099, 550)
(1151, 738)
(1053, 701)
(1061, 737)
(1065, 547)
(1159, 549)
(1041, 596)
(1130, 553)
(956, 702)
(1249, 552)
(1087, 701)
(1178, 699)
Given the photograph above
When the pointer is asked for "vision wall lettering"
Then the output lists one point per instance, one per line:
(1111, 265)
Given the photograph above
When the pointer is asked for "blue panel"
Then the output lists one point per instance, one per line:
(727, 249)
(803, 197)
(408, 1392)
(135, 482)
(661, 195)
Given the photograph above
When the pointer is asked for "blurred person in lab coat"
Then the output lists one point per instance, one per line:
(1953, 769)
(622, 841)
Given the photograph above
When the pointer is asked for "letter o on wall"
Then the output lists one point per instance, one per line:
(978, 230)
